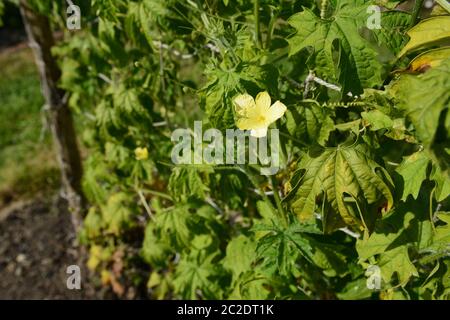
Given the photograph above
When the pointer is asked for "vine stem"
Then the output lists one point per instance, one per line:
(255, 183)
(257, 30)
(158, 194)
(273, 19)
(416, 11)
(276, 195)
(294, 139)
(280, 209)
(163, 85)
(144, 203)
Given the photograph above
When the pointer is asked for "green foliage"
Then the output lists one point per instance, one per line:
(424, 110)
(340, 53)
(364, 177)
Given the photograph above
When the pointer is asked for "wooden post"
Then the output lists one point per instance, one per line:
(41, 41)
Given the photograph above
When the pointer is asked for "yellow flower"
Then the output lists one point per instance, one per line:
(141, 153)
(257, 114)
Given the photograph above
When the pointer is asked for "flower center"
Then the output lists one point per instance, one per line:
(261, 118)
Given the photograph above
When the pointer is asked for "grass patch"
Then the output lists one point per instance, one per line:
(27, 162)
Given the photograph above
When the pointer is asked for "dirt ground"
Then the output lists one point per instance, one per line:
(37, 243)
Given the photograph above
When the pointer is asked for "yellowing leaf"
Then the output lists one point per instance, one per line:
(442, 8)
(427, 32)
(339, 173)
(105, 277)
(118, 213)
(94, 259)
(429, 59)
(154, 280)
(97, 254)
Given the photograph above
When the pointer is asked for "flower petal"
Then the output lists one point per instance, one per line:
(244, 124)
(243, 102)
(247, 123)
(263, 101)
(259, 133)
(141, 153)
(276, 111)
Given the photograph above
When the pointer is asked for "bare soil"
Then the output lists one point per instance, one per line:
(37, 243)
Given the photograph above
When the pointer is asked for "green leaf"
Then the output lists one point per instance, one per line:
(377, 120)
(428, 32)
(96, 179)
(174, 224)
(309, 123)
(127, 102)
(424, 98)
(92, 224)
(240, 254)
(407, 228)
(381, 241)
(413, 169)
(397, 261)
(185, 183)
(252, 285)
(442, 190)
(441, 238)
(335, 174)
(196, 272)
(268, 212)
(107, 34)
(145, 14)
(392, 32)
(179, 224)
(280, 246)
(224, 84)
(408, 225)
(70, 73)
(340, 52)
(117, 155)
(329, 257)
(216, 98)
(355, 290)
(154, 250)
